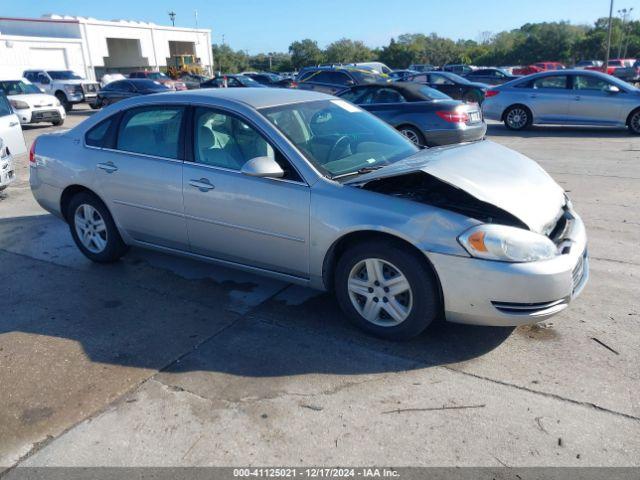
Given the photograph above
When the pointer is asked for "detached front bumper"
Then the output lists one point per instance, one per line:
(462, 134)
(484, 292)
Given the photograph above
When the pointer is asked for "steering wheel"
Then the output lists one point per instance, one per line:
(343, 142)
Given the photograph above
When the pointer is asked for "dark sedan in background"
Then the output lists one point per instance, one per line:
(490, 76)
(271, 79)
(425, 116)
(335, 79)
(231, 81)
(192, 80)
(121, 89)
(453, 85)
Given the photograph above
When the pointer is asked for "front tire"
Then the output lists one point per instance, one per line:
(472, 97)
(634, 122)
(517, 117)
(386, 290)
(93, 229)
(62, 98)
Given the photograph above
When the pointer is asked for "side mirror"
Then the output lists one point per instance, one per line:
(611, 89)
(262, 167)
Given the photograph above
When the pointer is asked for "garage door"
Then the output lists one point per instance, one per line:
(48, 58)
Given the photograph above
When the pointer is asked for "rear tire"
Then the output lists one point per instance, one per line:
(472, 97)
(413, 134)
(386, 290)
(517, 117)
(94, 230)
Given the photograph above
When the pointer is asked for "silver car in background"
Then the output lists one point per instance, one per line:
(566, 97)
(311, 189)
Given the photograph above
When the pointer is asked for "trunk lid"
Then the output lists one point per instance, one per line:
(491, 173)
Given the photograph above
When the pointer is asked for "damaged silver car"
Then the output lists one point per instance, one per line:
(310, 189)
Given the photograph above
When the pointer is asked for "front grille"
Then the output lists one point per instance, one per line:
(532, 309)
(45, 115)
(77, 89)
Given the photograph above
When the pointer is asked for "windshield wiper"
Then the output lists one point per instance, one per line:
(360, 171)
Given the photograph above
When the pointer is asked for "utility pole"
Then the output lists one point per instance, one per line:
(606, 53)
(172, 17)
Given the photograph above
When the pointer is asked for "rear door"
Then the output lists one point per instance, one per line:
(258, 222)
(138, 162)
(10, 129)
(549, 98)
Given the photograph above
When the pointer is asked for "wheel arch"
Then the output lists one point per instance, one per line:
(71, 191)
(631, 113)
(62, 92)
(343, 243)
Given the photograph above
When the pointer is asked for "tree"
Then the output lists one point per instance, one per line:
(347, 51)
(305, 53)
(227, 60)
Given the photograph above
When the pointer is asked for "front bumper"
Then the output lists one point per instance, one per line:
(44, 114)
(485, 292)
(468, 133)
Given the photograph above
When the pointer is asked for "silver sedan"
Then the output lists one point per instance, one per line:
(566, 97)
(313, 190)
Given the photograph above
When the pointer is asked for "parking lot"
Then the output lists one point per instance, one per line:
(157, 360)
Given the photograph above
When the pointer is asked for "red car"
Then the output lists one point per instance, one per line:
(613, 64)
(538, 67)
(160, 78)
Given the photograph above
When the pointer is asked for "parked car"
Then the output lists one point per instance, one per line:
(30, 104)
(490, 76)
(424, 115)
(7, 172)
(613, 64)
(402, 75)
(334, 80)
(582, 64)
(132, 87)
(231, 81)
(10, 129)
(570, 97)
(538, 67)
(458, 68)
(421, 67)
(160, 77)
(453, 85)
(68, 87)
(630, 73)
(313, 190)
(192, 80)
(271, 80)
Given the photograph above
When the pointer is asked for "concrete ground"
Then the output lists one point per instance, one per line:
(166, 362)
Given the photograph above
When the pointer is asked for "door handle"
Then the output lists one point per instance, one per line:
(13, 124)
(204, 185)
(108, 167)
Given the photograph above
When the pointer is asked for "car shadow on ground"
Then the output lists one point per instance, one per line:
(557, 131)
(148, 310)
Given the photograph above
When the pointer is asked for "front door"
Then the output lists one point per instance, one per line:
(259, 222)
(140, 178)
(591, 103)
(445, 85)
(10, 129)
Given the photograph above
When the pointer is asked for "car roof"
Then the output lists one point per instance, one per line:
(411, 89)
(254, 97)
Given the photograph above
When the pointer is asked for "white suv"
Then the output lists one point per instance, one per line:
(68, 87)
(30, 104)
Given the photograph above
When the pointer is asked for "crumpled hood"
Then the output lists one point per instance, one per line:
(491, 173)
(35, 99)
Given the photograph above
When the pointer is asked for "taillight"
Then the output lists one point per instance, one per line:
(491, 93)
(32, 154)
(454, 117)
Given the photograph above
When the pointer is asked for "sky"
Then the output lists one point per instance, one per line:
(271, 25)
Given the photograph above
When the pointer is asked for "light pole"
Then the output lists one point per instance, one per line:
(606, 53)
(172, 17)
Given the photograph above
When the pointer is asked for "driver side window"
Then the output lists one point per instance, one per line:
(224, 141)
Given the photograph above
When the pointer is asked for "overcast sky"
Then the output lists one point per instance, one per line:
(271, 25)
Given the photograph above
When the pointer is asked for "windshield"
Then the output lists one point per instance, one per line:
(17, 87)
(149, 85)
(64, 75)
(157, 76)
(453, 77)
(339, 138)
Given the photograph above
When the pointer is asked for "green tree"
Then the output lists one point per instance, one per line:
(347, 51)
(305, 53)
(227, 60)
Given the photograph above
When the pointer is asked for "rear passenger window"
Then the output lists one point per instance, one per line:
(5, 107)
(98, 135)
(151, 131)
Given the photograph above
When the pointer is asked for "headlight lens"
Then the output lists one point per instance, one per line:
(70, 88)
(507, 244)
(18, 104)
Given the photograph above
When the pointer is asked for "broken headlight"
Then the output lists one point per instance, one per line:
(507, 244)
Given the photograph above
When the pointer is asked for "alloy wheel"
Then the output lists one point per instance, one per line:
(380, 292)
(411, 135)
(90, 228)
(635, 122)
(517, 118)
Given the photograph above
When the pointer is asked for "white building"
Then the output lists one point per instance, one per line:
(93, 47)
